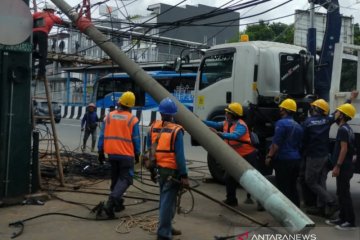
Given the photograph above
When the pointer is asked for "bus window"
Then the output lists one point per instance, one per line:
(110, 88)
(174, 83)
(107, 86)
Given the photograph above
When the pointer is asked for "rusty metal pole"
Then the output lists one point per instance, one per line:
(282, 209)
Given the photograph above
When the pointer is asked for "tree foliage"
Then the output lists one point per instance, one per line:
(277, 32)
(356, 34)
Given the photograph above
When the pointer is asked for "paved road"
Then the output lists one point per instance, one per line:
(70, 135)
(204, 222)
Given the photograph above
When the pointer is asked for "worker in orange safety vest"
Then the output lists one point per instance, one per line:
(120, 140)
(235, 132)
(165, 138)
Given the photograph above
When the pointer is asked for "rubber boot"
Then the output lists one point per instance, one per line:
(119, 205)
(109, 208)
(248, 199)
(92, 147)
(175, 232)
(259, 207)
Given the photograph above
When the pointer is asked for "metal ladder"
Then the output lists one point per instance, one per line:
(52, 121)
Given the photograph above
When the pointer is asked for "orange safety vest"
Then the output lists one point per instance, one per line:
(118, 133)
(165, 150)
(243, 145)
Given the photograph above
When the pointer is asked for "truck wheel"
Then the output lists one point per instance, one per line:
(216, 170)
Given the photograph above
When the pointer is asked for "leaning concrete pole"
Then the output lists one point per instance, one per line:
(273, 201)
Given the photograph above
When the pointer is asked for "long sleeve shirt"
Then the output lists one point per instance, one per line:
(44, 21)
(288, 137)
(88, 119)
(239, 131)
(316, 135)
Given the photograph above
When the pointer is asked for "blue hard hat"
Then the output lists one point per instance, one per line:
(167, 106)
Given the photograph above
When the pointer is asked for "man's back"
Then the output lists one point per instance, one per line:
(118, 133)
(288, 136)
(44, 21)
(316, 135)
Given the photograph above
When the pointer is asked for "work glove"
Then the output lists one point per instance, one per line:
(101, 157)
(153, 175)
(268, 160)
(137, 158)
(184, 182)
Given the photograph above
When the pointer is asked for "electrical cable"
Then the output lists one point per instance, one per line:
(200, 17)
(181, 209)
(75, 157)
(21, 224)
(133, 46)
(72, 202)
(225, 205)
(259, 13)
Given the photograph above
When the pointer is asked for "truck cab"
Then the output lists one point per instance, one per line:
(257, 74)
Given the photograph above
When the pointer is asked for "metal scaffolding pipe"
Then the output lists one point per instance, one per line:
(282, 209)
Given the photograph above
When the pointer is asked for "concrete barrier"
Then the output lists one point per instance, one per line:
(77, 112)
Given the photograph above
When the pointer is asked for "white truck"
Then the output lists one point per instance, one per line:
(260, 75)
(345, 78)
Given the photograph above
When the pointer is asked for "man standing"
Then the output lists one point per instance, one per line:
(121, 142)
(235, 132)
(342, 159)
(43, 22)
(89, 123)
(285, 151)
(316, 153)
(166, 141)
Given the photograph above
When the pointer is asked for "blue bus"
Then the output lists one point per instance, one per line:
(109, 88)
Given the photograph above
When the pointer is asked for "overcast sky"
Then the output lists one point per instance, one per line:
(348, 7)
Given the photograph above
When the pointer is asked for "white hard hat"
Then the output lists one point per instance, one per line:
(49, 6)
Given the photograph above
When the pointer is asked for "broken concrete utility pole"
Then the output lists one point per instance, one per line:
(259, 187)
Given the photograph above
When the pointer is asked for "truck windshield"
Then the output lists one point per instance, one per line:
(216, 67)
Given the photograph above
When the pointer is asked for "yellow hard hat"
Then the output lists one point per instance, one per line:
(289, 104)
(235, 108)
(127, 99)
(347, 109)
(322, 104)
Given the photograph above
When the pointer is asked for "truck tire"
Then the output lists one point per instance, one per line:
(216, 170)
